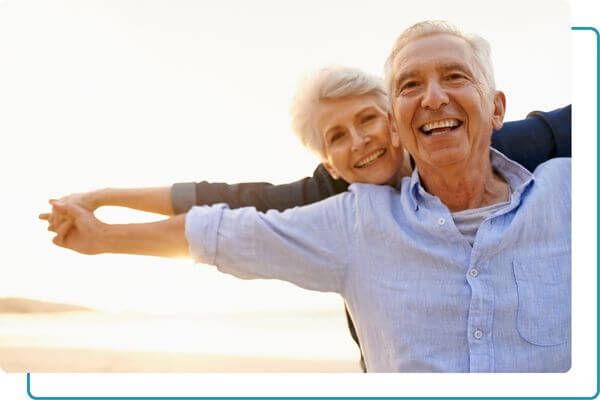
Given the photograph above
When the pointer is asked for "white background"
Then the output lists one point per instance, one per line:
(135, 94)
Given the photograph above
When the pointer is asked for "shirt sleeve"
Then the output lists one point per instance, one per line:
(307, 246)
(536, 139)
(261, 195)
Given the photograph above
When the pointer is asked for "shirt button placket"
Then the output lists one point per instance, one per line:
(479, 346)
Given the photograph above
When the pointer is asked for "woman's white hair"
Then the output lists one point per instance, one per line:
(479, 46)
(332, 82)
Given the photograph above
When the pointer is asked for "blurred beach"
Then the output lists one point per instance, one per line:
(38, 336)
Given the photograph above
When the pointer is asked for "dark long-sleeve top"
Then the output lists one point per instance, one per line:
(531, 141)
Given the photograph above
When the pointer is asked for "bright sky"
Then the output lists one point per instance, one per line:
(133, 94)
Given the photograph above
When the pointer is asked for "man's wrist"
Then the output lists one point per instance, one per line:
(98, 198)
(106, 238)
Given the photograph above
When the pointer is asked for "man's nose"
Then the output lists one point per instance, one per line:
(359, 139)
(434, 97)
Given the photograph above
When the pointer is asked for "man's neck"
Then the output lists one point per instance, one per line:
(465, 187)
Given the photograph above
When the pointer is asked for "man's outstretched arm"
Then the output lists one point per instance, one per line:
(294, 245)
(86, 234)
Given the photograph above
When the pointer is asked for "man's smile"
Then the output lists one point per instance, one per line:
(440, 127)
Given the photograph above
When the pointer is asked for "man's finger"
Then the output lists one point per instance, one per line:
(61, 225)
(67, 209)
(63, 230)
(51, 219)
(54, 220)
(59, 241)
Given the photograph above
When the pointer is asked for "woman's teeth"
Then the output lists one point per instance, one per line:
(368, 160)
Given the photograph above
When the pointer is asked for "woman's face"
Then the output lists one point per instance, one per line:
(361, 144)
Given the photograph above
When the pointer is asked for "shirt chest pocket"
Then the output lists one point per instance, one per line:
(544, 296)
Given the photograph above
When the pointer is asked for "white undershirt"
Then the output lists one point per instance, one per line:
(468, 221)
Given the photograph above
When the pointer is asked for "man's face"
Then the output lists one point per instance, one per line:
(358, 140)
(443, 109)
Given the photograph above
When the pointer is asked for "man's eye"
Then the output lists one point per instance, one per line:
(455, 76)
(406, 86)
(368, 118)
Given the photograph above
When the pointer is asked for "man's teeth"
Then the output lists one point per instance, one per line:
(443, 124)
(366, 161)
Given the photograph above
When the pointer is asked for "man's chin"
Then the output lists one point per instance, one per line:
(445, 157)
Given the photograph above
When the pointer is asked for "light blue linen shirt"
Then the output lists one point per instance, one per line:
(422, 298)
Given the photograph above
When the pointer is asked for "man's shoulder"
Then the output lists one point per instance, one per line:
(370, 189)
(554, 168)
(554, 177)
(380, 198)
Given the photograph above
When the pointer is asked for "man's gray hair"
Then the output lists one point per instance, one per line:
(332, 82)
(480, 46)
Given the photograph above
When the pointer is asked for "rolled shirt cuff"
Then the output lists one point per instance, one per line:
(202, 230)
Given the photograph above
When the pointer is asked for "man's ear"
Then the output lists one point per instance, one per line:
(332, 171)
(394, 135)
(499, 110)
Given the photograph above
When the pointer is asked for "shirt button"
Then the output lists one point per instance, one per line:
(478, 334)
(473, 272)
(441, 221)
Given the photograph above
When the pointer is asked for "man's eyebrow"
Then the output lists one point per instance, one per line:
(402, 76)
(455, 65)
(444, 66)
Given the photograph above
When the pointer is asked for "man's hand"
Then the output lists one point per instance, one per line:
(57, 222)
(60, 223)
(87, 200)
(79, 230)
(84, 233)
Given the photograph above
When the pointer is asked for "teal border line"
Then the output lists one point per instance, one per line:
(574, 28)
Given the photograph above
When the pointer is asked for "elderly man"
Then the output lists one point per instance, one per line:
(450, 273)
(531, 141)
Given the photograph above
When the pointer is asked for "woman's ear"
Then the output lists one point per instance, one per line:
(332, 171)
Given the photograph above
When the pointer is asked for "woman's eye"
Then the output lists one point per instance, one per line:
(336, 136)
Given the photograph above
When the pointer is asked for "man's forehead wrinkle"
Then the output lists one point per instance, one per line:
(404, 56)
(404, 72)
(452, 65)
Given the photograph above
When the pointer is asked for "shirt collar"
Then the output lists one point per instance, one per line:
(517, 176)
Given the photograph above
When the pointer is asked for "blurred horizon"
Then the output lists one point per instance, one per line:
(50, 337)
